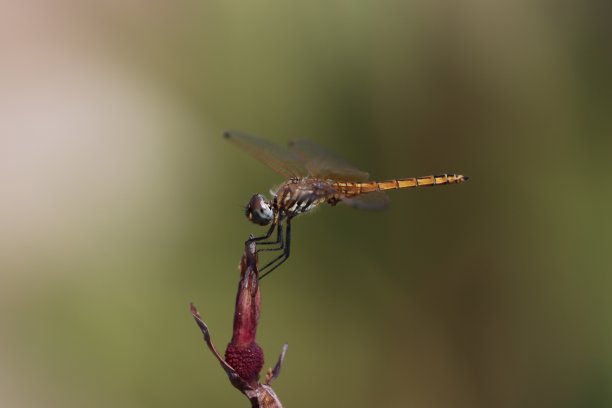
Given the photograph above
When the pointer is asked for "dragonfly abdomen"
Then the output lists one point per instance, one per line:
(351, 189)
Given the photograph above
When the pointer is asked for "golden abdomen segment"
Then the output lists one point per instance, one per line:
(350, 189)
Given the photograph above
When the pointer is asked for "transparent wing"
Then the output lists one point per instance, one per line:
(278, 158)
(375, 201)
(321, 163)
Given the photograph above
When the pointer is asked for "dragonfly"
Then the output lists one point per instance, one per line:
(313, 176)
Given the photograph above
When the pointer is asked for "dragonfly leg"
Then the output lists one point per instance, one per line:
(268, 234)
(276, 262)
(279, 240)
(279, 235)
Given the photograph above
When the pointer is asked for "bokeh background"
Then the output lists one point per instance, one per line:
(120, 202)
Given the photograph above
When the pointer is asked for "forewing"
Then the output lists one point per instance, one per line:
(278, 158)
(374, 201)
(321, 163)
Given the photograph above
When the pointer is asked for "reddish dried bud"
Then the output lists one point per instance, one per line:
(246, 360)
(243, 353)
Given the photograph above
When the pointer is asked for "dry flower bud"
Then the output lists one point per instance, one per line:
(244, 358)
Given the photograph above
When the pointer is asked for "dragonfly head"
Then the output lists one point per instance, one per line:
(258, 210)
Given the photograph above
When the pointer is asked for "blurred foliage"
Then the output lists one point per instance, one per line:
(121, 203)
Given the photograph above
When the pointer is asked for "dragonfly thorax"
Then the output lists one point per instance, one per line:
(298, 196)
(258, 210)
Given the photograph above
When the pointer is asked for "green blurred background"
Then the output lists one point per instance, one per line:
(121, 203)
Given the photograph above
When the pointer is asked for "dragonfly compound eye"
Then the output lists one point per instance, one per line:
(258, 210)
